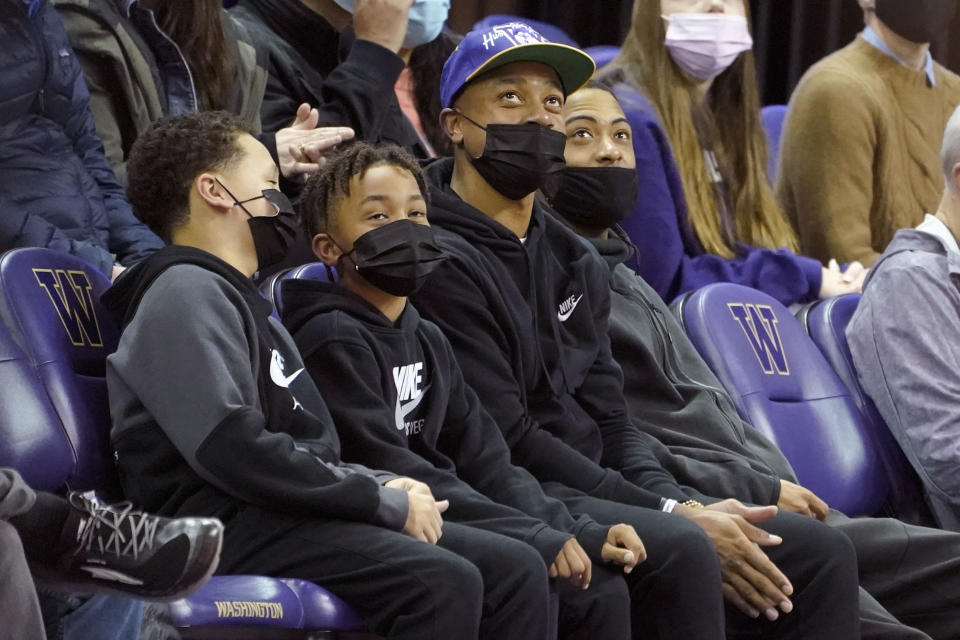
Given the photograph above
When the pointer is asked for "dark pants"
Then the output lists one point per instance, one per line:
(909, 571)
(19, 608)
(682, 567)
(405, 589)
(602, 612)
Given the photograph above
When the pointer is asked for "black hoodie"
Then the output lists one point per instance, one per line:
(400, 402)
(528, 323)
(209, 410)
(349, 80)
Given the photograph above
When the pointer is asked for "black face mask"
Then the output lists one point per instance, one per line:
(598, 197)
(273, 236)
(397, 257)
(918, 20)
(518, 159)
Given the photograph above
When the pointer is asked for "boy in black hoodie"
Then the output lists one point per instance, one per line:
(524, 302)
(211, 415)
(398, 397)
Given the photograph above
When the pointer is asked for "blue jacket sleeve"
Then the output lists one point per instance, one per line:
(18, 228)
(669, 257)
(129, 239)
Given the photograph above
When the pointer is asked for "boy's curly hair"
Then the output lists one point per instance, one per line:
(325, 189)
(166, 159)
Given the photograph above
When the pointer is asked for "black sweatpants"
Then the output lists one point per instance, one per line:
(602, 612)
(911, 572)
(471, 584)
(682, 568)
(19, 608)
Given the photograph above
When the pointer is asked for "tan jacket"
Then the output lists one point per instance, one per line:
(860, 152)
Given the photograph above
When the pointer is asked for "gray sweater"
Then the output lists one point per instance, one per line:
(905, 340)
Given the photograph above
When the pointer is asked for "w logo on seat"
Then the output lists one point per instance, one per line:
(759, 324)
(72, 296)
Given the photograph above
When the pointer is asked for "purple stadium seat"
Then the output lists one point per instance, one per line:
(312, 271)
(270, 288)
(258, 601)
(826, 322)
(783, 386)
(32, 439)
(603, 54)
(49, 302)
(54, 429)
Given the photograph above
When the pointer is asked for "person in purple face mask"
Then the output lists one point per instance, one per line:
(706, 213)
(860, 144)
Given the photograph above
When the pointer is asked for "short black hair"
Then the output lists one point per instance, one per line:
(601, 86)
(325, 189)
(165, 160)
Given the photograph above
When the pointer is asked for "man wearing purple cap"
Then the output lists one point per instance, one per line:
(524, 301)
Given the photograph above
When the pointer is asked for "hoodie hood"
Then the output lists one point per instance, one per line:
(615, 249)
(123, 298)
(305, 299)
(448, 210)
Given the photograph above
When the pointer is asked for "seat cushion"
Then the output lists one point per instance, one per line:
(32, 438)
(51, 305)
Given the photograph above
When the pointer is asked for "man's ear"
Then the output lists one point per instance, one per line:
(213, 193)
(326, 249)
(955, 176)
(452, 125)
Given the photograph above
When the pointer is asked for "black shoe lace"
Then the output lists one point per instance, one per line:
(117, 529)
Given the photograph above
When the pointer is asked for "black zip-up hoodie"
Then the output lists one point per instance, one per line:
(399, 401)
(674, 396)
(528, 323)
(209, 408)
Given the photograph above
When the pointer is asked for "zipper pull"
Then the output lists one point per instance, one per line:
(663, 323)
(43, 102)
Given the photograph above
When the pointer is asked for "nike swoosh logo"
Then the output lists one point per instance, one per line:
(285, 382)
(404, 408)
(104, 573)
(276, 371)
(563, 316)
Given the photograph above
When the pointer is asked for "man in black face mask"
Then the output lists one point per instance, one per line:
(674, 397)
(366, 346)
(859, 157)
(211, 415)
(524, 303)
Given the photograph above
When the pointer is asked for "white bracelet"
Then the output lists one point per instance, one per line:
(668, 505)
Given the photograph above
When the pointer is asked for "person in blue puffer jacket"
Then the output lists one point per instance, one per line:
(56, 186)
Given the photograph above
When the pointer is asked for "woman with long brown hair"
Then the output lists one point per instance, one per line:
(707, 212)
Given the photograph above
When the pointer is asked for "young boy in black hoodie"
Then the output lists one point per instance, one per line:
(212, 416)
(524, 302)
(398, 397)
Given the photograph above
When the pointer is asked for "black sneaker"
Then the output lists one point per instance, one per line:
(117, 549)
